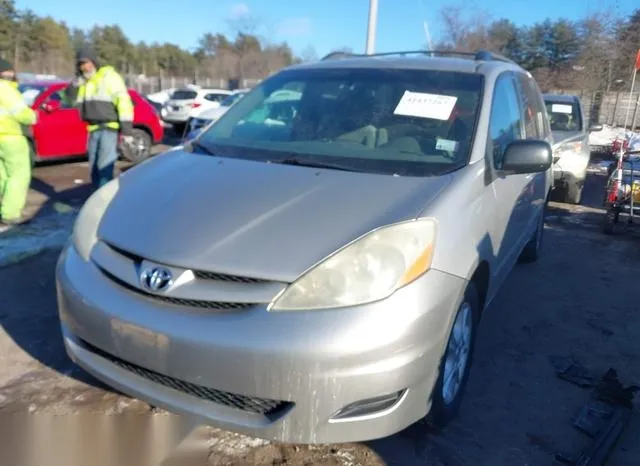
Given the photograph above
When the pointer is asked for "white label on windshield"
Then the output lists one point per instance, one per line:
(422, 105)
(446, 145)
(561, 108)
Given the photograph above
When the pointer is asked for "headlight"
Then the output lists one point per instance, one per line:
(571, 147)
(369, 269)
(85, 229)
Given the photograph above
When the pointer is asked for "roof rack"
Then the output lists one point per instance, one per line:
(479, 55)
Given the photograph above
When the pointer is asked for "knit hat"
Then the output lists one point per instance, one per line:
(5, 66)
(86, 53)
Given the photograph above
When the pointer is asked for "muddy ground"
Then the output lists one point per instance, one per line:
(579, 301)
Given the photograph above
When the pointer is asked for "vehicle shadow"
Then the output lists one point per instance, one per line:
(29, 316)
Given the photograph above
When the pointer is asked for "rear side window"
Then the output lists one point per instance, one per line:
(215, 97)
(184, 94)
(564, 116)
(505, 124)
(532, 107)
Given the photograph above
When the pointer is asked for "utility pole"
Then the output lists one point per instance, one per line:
(371, 29)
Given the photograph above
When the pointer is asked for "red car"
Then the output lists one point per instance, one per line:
(59, 132)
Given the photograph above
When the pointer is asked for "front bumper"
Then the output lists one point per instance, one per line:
(570, 170)
(175, 117)
(220, 366)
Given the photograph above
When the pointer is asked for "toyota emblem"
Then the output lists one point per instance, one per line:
(156, 278)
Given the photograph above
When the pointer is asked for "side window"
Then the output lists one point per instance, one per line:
(505, 125)
(529, 107)
(535, 97)
(214, 97)
(58, 97)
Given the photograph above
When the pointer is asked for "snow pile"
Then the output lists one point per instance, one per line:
(633, 140)
(606, 136)
(610, 134)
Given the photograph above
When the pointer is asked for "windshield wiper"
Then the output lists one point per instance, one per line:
(306, 163)
(198, 146)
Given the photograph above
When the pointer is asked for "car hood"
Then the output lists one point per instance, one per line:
(250, 218)
(560, 137)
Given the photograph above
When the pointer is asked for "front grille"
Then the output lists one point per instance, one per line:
(222, 277)
(218, 305)
(264, 406)
(201, 274)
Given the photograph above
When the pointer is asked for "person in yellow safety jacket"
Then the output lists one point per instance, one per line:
(102, 97)
(15, 156)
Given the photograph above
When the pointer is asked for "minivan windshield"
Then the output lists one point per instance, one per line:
(393, 121)
(563, 116)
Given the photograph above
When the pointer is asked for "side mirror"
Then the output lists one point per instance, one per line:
(596, 128)
(51, 106)
(527, 156)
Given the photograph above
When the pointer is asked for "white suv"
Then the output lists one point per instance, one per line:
(178, 109)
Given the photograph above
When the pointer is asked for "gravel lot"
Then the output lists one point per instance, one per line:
(578, 301)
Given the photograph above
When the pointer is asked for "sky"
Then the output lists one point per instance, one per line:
(324, 24)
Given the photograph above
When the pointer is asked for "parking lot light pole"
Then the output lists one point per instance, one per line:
(371, 29)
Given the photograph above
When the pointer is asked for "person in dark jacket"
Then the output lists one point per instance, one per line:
(102, 97)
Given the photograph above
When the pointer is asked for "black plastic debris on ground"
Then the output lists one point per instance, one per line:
(572, 371)
(603, 417)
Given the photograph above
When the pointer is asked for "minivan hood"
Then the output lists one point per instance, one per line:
(250, 218)
(560, 137)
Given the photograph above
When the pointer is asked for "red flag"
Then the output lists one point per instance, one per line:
(638, 61)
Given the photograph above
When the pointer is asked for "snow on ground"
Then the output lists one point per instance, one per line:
(606, 136)
(611, 133)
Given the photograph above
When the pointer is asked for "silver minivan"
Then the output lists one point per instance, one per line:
(314, 271)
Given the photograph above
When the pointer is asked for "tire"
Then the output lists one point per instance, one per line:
(531, 251)
(446, 398)
(179, 128)
(573, 193)
(142, 147)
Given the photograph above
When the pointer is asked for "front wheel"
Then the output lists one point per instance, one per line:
(531, 251)
(456, 362)
(140, 150)
(573, 193)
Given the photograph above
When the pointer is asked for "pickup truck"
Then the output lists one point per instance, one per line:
(571, 151)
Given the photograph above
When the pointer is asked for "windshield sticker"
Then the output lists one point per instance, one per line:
(446, 145)
(422, 105)
(561, 108)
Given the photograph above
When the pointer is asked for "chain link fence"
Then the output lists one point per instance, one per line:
(151, 84)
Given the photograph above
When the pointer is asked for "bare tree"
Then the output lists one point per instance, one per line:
(309, 54)
(466, 28)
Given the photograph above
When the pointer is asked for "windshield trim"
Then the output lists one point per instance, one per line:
(373, 166)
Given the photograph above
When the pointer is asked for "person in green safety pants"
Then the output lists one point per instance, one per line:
(15, 158)
(103, 99)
